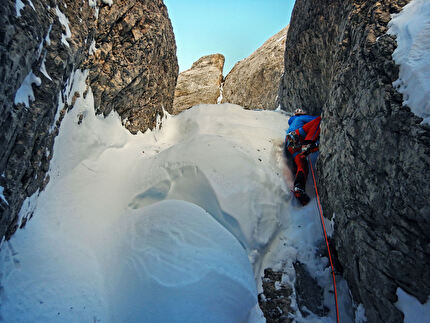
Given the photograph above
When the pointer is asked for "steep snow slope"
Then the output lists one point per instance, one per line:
(171, 224)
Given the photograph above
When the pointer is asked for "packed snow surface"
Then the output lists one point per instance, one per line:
(412, 28)
(414, 311)
(173, 225)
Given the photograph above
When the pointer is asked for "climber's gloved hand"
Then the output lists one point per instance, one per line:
(309, 148)
(292, 138)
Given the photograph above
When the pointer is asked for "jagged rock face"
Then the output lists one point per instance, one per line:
(275, 301)
(254, 81)
(51, 39)
(200, 84)
(134, 67)
(374, 156)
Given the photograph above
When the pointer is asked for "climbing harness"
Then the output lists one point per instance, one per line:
(326, 240)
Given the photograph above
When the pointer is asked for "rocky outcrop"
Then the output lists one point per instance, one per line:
(275, 301)
(129, 48)
(199, 84)
(134, 66)
(375, 154)
(254, 81)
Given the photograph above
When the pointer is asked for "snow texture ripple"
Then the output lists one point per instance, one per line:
(178, 222)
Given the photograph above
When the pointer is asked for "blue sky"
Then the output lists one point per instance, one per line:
(234, 28)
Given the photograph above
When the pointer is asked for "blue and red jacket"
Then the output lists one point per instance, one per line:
(306, 127)
(302, 125)
(298, 121)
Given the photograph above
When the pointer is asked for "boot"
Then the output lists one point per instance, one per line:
(301, 195)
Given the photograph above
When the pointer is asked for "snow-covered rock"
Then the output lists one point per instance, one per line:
(412, 29)
(25, 92)
(42, 45)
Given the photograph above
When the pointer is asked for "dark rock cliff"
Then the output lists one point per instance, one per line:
(129, 48)
(375, 154)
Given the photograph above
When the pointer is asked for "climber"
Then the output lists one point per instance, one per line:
(301, 140)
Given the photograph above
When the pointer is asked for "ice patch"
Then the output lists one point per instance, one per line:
(25, 92)
(31, 5)
(360, 314)
(108, 2)
(413, 310)
(43, 68)
(65, 22)
(92, 47)
(412, 28)
(47, 39)
(176, 248)
(2, 195)
(19, 5)
(281, 39)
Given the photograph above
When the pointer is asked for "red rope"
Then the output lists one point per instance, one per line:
(326, 240)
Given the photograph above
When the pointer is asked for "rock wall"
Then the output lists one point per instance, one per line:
(254, 81)
(129, 48)
(134, 66)
(375, 155)
(200, 84)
